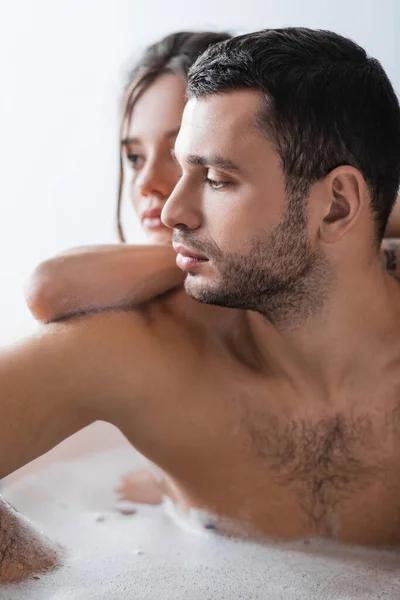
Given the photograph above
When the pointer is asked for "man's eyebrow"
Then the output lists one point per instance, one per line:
(172, 133)
(216, 161)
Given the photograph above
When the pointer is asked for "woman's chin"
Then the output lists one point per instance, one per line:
(159, 237)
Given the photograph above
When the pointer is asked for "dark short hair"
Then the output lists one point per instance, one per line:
(173, 54)
(327, 103)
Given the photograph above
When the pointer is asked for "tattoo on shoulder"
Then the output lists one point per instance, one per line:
(391, 249)
(390, 259)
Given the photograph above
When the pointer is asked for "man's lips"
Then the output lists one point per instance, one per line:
(187, 259)
(183, 251)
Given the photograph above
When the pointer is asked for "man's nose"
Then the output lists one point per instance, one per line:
(181, 208)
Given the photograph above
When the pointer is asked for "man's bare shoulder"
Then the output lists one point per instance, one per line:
(120, 338)
(117, 352)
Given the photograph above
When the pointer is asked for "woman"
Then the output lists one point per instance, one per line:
(97, 278)
(151, 115)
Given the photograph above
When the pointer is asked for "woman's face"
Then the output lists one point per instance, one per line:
(149, 143)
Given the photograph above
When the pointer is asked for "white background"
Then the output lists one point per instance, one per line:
(62, 67)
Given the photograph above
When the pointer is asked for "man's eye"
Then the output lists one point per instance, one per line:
(135, 160)
(217, 185)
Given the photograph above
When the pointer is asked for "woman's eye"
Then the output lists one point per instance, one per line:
(217, 185)
(135, 160)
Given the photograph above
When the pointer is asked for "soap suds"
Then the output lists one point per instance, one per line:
(157, 553)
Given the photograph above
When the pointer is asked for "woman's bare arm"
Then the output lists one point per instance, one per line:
(98, 278)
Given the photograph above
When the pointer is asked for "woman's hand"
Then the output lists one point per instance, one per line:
(140, 486)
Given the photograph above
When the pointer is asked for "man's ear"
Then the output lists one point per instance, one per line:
(346, 193)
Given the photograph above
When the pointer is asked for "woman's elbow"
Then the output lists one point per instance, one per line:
(42, 294)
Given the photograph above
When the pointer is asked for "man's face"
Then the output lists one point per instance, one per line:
(230, 210)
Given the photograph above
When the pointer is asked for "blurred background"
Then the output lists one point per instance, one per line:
(63, 68)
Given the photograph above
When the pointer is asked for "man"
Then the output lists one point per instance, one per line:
(281, 419)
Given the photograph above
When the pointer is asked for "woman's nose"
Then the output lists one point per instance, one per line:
(156, 180)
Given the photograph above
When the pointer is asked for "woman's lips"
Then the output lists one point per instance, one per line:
(151, 219)
(153, 223)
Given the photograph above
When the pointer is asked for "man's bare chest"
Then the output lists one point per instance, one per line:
(307, 468)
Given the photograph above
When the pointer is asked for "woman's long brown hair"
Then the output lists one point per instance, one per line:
(173, 54)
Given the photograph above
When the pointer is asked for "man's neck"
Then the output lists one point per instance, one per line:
(359, 323)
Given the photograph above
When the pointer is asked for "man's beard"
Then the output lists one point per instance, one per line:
(278, 275)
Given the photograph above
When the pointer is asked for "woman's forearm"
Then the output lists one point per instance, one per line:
(98, 278)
